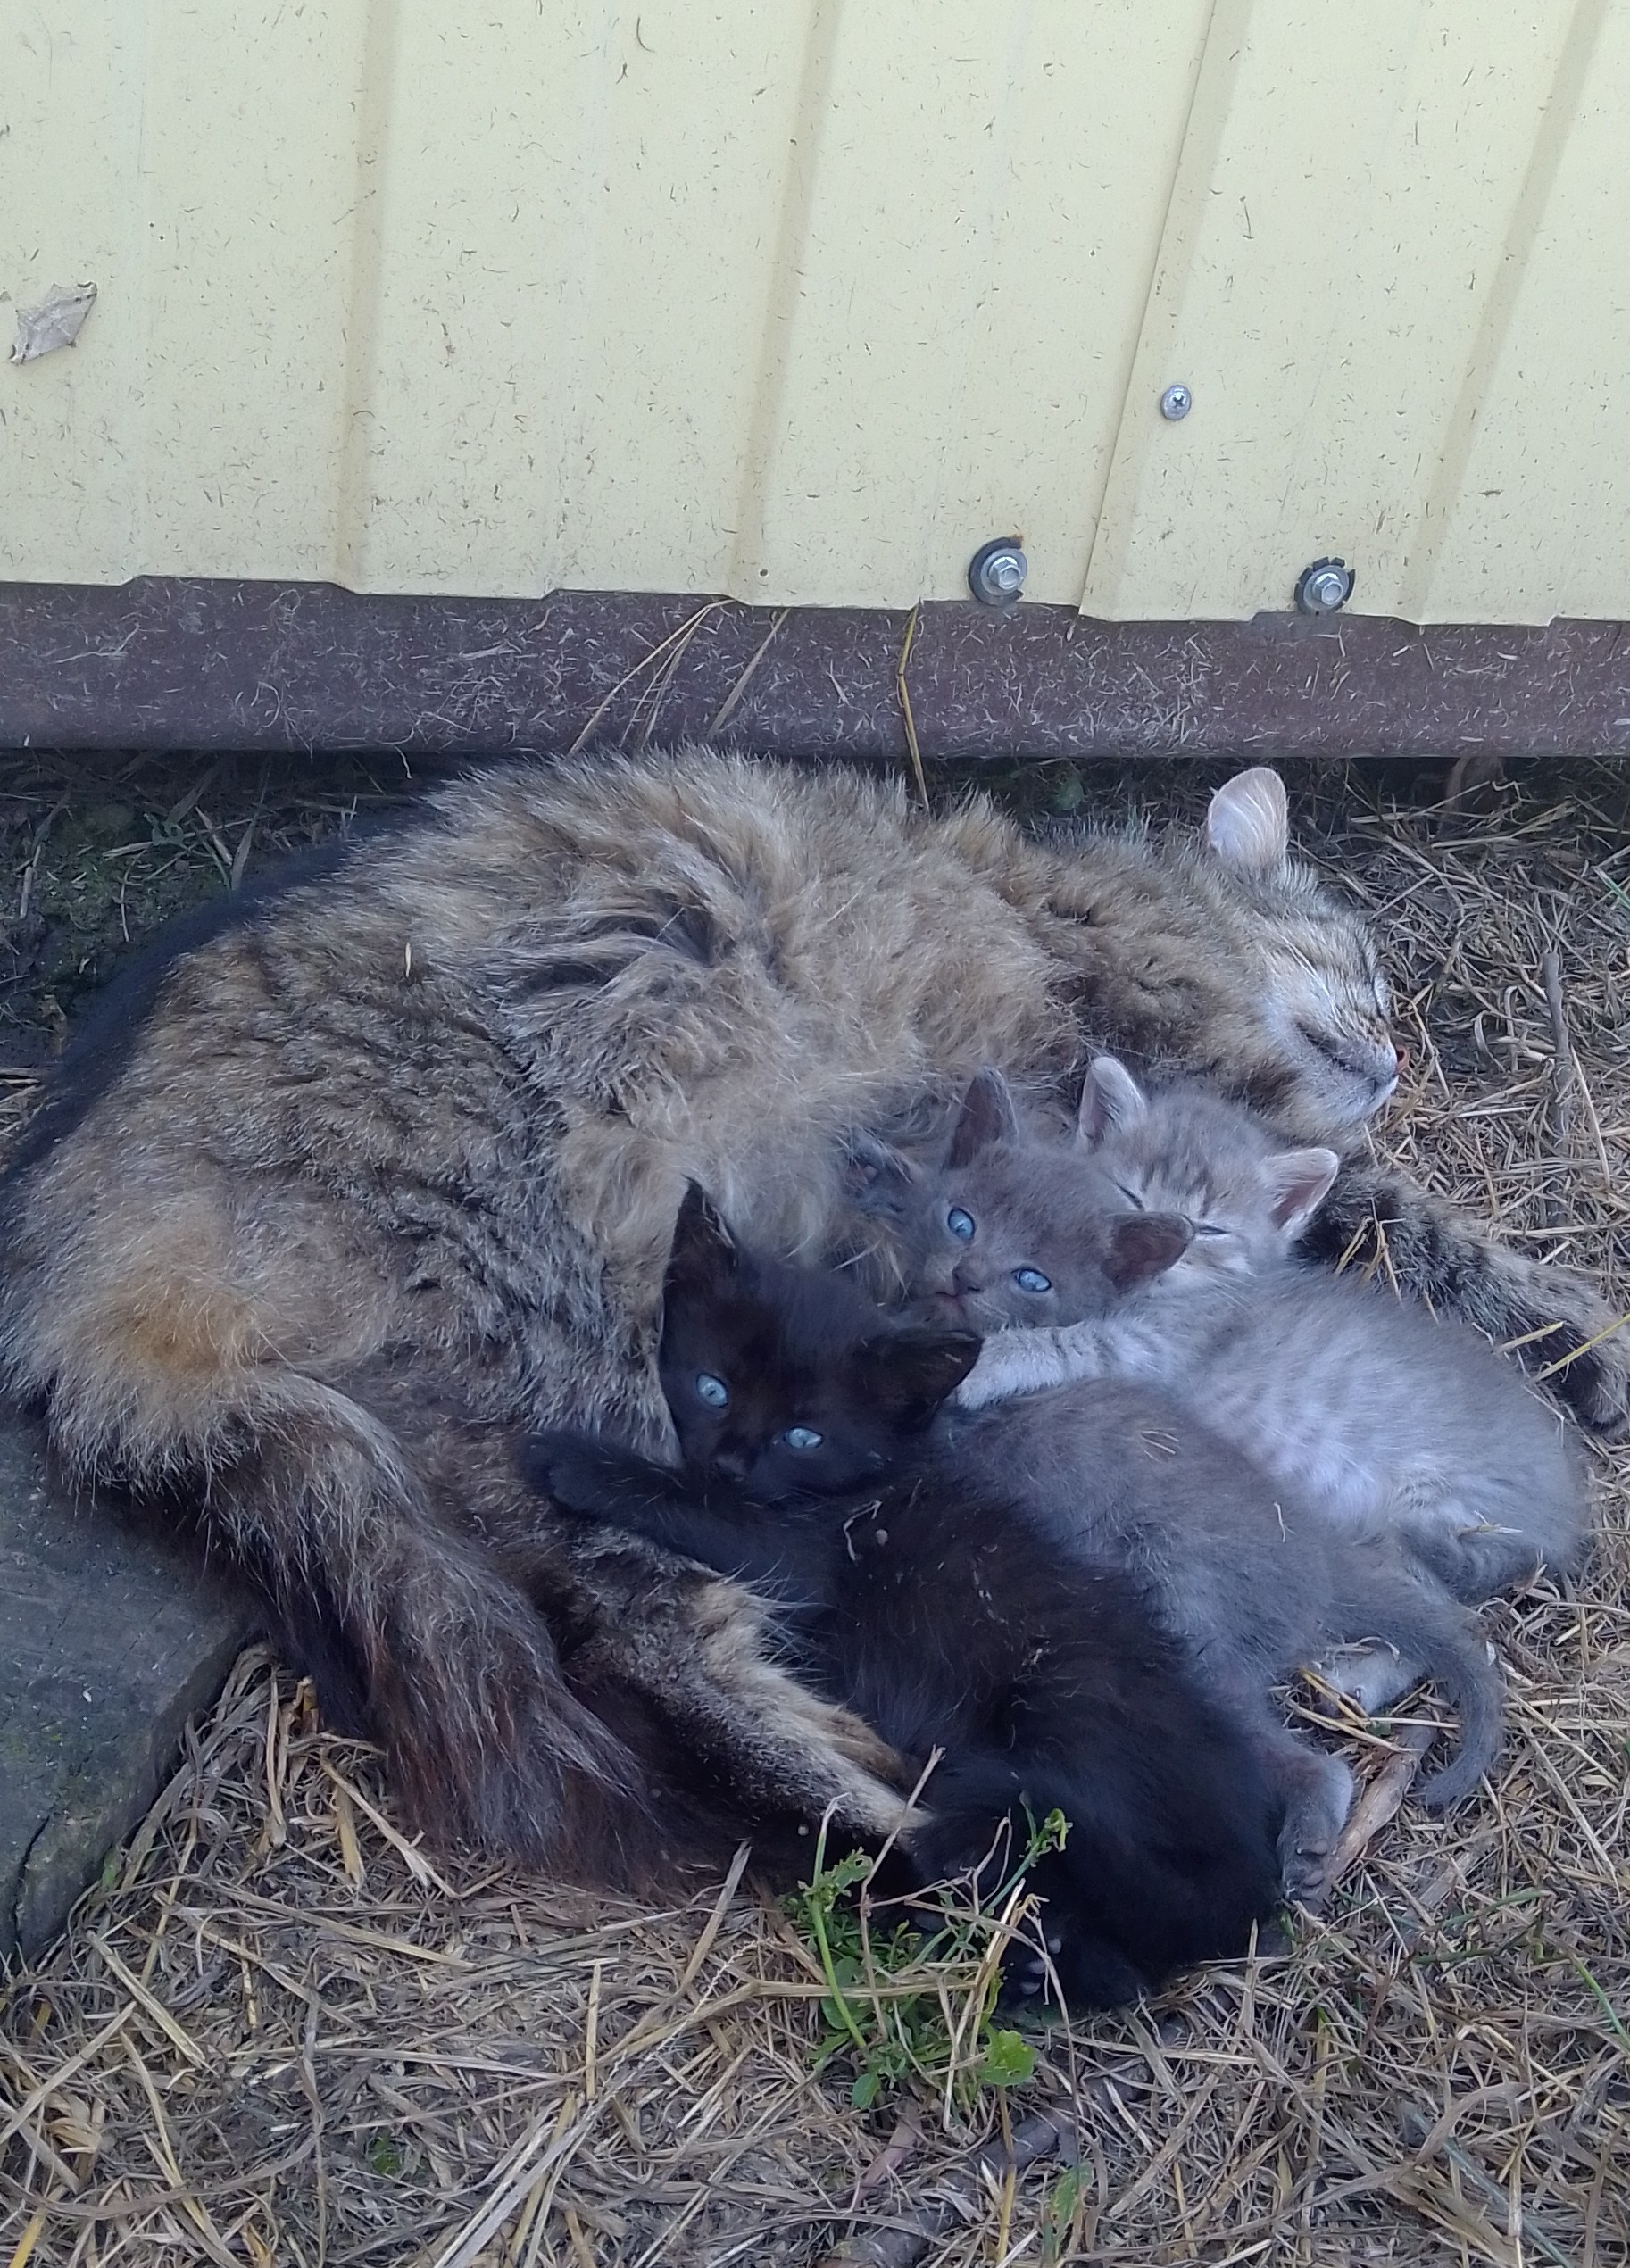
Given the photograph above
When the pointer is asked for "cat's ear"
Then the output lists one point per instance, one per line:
(876, 1178)
(1247, 826)
(703, 1249)
(908, 1374)
(1111, 1099)
(1144, 1246)
(987, 1115)
(1298, 1181)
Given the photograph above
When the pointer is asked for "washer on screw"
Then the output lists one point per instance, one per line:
(997, 570)
(1325, 588)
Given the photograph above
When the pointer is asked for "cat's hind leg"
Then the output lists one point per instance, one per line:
(1315, 1787)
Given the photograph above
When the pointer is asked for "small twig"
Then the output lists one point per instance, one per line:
(30, 873)
(647, 661)
(664, 677)
(715, 1921)
(910, 721)
(1562, 1073)
(732, 700)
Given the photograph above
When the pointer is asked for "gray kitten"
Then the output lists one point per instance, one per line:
(1382, 1418)
(967, 1261)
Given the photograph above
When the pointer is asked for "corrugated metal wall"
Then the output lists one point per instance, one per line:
(801, 300)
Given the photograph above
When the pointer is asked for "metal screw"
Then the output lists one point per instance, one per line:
(1325, 588)
(997, 570)
(1176, 403)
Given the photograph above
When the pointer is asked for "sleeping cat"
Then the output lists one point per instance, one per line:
(923, 1603)
(1382, 1420)
(1238, 1564)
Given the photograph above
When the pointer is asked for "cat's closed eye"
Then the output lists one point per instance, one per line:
(1132, 1198)
(960, 1224)
(1205, 1228)
(803, 1437)
(711, 1390)
(1031, 1279)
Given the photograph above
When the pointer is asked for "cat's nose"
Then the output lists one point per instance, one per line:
(730, 1464)
(963, 1281)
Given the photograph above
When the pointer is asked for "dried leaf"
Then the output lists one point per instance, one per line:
(57, 320)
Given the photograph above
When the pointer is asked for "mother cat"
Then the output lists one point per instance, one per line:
(330, 1201)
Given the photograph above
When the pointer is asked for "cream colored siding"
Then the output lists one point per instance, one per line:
(803, 301)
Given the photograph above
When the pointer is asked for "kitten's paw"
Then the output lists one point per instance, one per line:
(567, 1469)
(1080, 1971)
(1312, 1829)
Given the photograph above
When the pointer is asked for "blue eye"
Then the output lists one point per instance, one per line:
(960, 1225)
(801, 1437)
(1031, 1279)
(711, 1390)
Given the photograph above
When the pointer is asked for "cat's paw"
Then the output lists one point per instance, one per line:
(569, 1471)
(1080, 1972)
(1314, 1821)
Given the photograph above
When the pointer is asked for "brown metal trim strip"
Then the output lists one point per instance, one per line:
(171, 663)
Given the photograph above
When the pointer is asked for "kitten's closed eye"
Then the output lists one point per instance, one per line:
(712, 1390)
(1205, 1228)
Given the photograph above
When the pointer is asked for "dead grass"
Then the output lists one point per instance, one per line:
(278, 2034)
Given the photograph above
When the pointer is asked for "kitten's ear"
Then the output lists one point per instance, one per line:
(1144, 1246)
(1110, 1099)
(876, 1178)
(987, 1115)
(909, 1374)
(703, 1249)
(1247, 826)
(1298, 1181)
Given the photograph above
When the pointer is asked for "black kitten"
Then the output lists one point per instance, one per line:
(930, 1608)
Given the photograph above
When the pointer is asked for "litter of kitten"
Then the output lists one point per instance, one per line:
(329, 2056)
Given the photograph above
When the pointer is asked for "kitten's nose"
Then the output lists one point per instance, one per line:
(730, 1464)
(963, 1281)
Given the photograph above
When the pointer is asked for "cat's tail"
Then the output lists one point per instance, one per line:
(1376, 1598)
(581, 1713)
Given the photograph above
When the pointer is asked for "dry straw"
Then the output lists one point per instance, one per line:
(280, 2033)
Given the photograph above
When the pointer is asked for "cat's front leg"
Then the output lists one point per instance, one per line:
(1457, 1268)
(583, 1473)
(1022, 1362)
(599, 1482)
